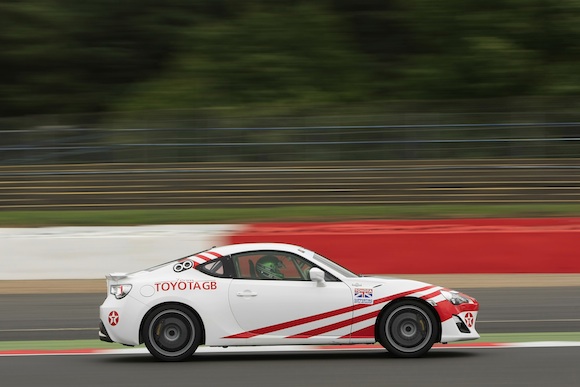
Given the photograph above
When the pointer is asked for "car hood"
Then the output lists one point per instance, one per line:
(385, 286)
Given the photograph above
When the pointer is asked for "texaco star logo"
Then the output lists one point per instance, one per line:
(113, 318)
(469, 320)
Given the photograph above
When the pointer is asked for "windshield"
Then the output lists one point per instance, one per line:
(335, 266)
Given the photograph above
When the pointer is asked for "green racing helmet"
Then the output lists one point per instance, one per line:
(268, 267)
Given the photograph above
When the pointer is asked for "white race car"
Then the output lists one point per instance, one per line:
(277, 294)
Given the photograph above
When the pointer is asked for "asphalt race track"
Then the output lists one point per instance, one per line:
(503, 310)
(75, 316)
(441, 367)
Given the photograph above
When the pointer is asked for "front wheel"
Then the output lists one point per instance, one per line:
(171, 333)
(408, 329)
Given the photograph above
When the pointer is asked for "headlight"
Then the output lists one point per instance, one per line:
(120, 291)
(455, 298)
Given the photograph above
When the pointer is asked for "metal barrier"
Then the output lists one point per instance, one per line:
(223, 185)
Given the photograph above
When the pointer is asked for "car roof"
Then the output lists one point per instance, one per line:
(243, 247)
(221, 251)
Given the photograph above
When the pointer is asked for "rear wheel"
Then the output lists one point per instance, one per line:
(408, 329)
(171, 333)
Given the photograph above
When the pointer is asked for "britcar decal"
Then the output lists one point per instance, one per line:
(363, 296)
(325, 315)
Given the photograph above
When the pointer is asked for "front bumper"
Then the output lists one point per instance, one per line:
(457, 321)
(459, 327)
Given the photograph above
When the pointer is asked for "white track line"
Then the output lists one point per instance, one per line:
(285, 348)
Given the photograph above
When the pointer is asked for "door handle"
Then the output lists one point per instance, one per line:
(246, 293)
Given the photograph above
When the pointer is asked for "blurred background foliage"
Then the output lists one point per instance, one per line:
(267, 57)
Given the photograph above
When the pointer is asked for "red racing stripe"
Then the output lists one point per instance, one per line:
(204, 258)
(431, 295)
(364, 333)
(354, 320)
(369, 332)
(403, 294)
(321, 316)
(337, 325)
(216, 255)
(289, 324)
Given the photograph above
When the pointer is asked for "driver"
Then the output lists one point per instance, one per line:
(268, 267)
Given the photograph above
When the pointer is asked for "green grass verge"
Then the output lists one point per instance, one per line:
(528, 337)
(97, 344)
(57, 345)
(279, 214)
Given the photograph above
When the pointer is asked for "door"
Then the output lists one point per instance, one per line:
(274, 302)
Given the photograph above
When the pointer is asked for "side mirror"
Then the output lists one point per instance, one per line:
(317, 275)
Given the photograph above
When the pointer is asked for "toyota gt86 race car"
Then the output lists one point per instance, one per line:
(277, 294)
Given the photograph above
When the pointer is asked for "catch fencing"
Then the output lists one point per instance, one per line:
(326, 138)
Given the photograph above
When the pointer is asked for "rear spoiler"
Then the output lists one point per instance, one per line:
(115, 276)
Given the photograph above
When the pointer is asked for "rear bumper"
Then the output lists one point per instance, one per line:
(120, 320)
(103, 334)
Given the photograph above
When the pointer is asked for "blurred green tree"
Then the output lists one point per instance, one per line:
(35, 74)
(276, 54)
(62, 56)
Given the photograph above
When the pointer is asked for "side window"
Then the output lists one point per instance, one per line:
(271, 265)
(217, 268)
(330, 278)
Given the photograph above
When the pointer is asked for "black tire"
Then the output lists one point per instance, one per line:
(408, 329)
(171, 333)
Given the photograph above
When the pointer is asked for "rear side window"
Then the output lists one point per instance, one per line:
(221, 267)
